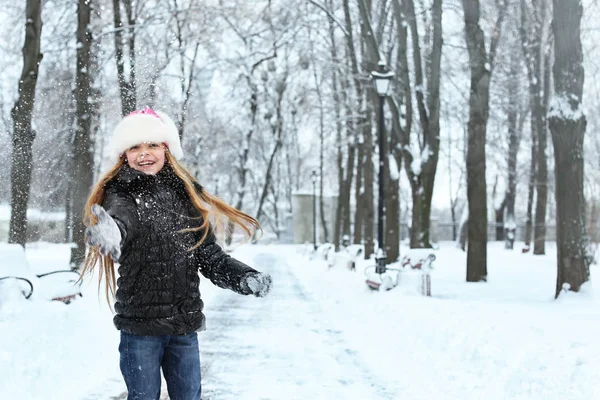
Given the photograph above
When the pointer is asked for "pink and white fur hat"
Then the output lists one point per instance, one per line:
(145, 125)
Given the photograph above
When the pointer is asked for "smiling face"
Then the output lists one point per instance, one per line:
(146, 157)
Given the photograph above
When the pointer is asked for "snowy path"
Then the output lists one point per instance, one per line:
(279, 347)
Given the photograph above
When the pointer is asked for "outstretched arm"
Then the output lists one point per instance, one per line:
(228, 273)
(123, 211)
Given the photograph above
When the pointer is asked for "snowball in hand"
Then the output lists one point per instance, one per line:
(259, 284)
(105, 234)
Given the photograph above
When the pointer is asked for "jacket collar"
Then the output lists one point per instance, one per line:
(127, 174)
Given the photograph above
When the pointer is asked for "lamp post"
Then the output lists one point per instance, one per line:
(313, 178)
(382, 79)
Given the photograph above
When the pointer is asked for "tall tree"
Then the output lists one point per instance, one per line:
(184, 42)
(533, 30)
(401, 107)
(127, 85)
(82, 169)
(427, 72)
(370, 58)
(567, 125)
(481, 65)
(339, 131)
(356, 118)
(277, 128)
(515, 118)
(531, 191)
(23, 133)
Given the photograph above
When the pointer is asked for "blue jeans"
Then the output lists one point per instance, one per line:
(143, 356)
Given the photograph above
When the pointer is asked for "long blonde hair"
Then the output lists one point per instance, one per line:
(220, 216)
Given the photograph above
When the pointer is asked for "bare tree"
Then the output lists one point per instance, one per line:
(365, 195)
(533, 31)
(402, 114)
(318, 84)
(277, 129)
(481, 64)
(427, 71)
(515, 119)
(339, 133)
(187, 72)
(348, 96)
(23, 133)
(567, 125)
(127, 85)
(355, 146)
(82, 169)
(531, 191)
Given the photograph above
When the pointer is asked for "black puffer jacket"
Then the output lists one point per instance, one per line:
(158, 288)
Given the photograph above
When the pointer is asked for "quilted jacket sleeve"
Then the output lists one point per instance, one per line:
(223, 270)
(122, 208)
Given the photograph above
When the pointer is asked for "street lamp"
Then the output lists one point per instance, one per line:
(382, 78)
(313, 178)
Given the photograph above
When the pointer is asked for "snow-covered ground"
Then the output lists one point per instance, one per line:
(322, 334)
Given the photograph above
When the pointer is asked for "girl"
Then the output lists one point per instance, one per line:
(151, 216)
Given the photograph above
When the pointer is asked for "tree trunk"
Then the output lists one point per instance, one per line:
(532, 32)
(359, 212)
(499, 214)
(369, 61)
(463, 234)
(392, 218)
(383, 181)
(422, 182)
(339, 209)
(23, 134)
(322, 210)
(278, 135)
(367, 202)
(242, 168)
(401, 116)
(453, 216)
(186, 89)
(346, 188)
(539, 244)
(567, 125)
(355, 147)
(531, 190)
(127, 87)
(82, 171)
(478, 115)
(541, 182)
(393, 221)
(481, 65)
(514, 138)
(268, 179)
(337, 105)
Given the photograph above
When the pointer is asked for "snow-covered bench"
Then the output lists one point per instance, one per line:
(16, 274)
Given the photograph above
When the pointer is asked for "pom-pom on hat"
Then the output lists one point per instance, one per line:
(145, 125)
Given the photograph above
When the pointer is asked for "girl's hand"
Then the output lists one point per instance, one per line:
(105, 234)
(257, 283)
